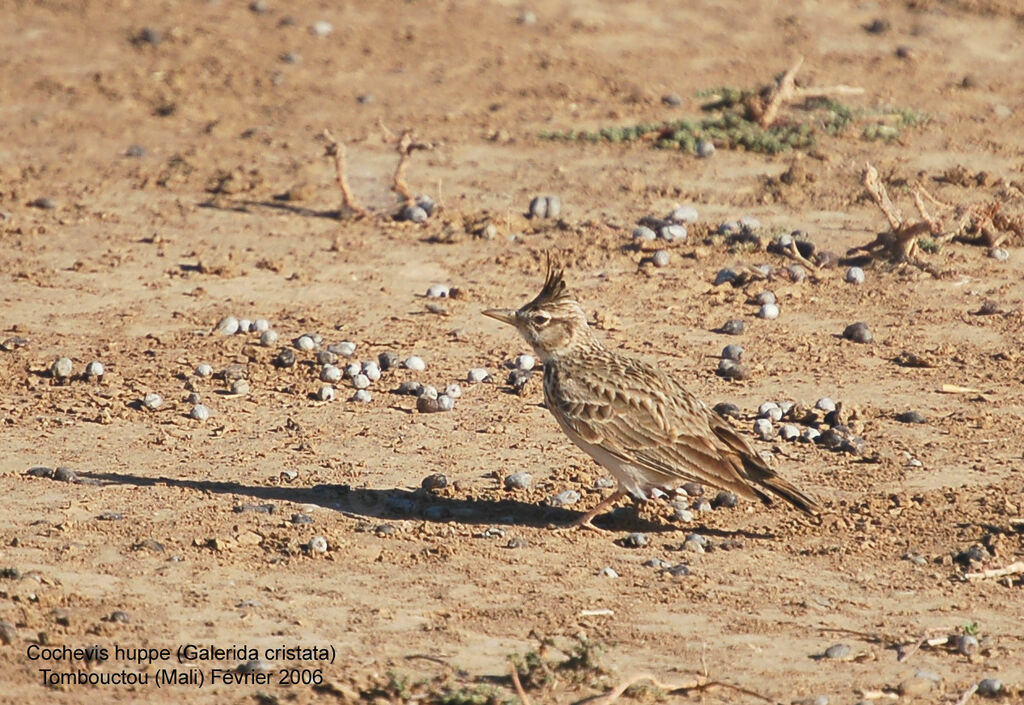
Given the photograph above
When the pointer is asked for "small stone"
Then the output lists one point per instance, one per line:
(796, 273)
(65, 474)
(321, 28)
(304, 343)
(730, 369)
(110, 516)
(673, 233)
(765, 410)
(545, 207)
(438, 291)
(413, 214)
(608, 572)
(436, 481)
(732, 352)
(428, 391)
(227, 326)
(317, 544)
(838, 652)
(94, 370)
(524, 362)
(352, 369)
(136, 151)
(203, 370)
(362, 396)
(268, 338)
(410, 387)
(672, 100)
(8, 632)
(789, 432)
(326, 357)
(683, 214)
(858, 333)
(427, 405)
(152, 401)
(692, 546)
(199, 412)
(387, 361)
(990, 687)
(725, 500)
(566, 498)
(660, 258)
(527, 17)
(644, 234)
(517, 542)
(372, 370)
(825, 404)
(636, 540)
(46, 204)
(915, 687)
(877, 26)
(445, 403)
(414, 363)
(855, 275)
(240, 387)
(360, 381)
(261, 325)
(518, 481)
(330, 374)
(999, 254)
(810, 435)
(733, 326)
(453, 390)
(477, 375)
(725, 276)
(763, 429)
(749, 225)
(769, 312)
(766, 297)
(966, 645)
(325, 393)
(61, 368)
(679, 571)
(40, 471)
(427, 204)
(148, 35)
(244, 325)
(285, 358)
(725, 409)
(911, 417)
(517, 380)
(682, 514)
(345, 348)
(705, 149)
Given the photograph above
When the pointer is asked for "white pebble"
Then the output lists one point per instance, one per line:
(438, 291)
(428, 391)
(683, 214)
(765, 409)
(660, 258)
(321, 28)
(644, 233)
(705, 148)
(769, 312)
(764, 430)
(372, 370)
(227, 325)
(152, 401)
(453, 390)
(325, 393)
(445, 402)
(203, 370)
(330, 374)
(244, 325)
(317, 544)
(478, 374)
(345, 348)
(788, 432)
(999, 254)
(525, 362)
(61, 368)
(360, 381)
(825, 404)
(199, 413)
(810, 435)
(766, 297)
(855, 275)
(362, 396)
(352, 369)
(94, 369)
(261, 325)
(268, 338)
(240, 387)
(673, 233)
(608, 572)
(305, 342)
(414, 363)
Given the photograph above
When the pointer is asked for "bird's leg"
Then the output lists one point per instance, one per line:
(586, 521)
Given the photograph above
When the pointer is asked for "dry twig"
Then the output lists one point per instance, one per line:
(967, 695)
(519, 686)
(1012, 569)
(765, 108)
(701, 683)
(336, 150)
(782, 92)
(406, 146)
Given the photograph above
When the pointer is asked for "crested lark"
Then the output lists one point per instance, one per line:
(633, 419)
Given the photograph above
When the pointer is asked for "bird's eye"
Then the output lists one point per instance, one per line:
(540, 319)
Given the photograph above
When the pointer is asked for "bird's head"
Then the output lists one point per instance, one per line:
(553, 323)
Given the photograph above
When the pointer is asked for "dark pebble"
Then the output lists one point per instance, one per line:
(285, 358)
(678, 571)
(990, 687)
(636, 540)
(825, 258)
(517, 542)
(63, 474)
(8, 632)
(426, 405)
(365, 98)
(61, 616)
(858, 333)
(437, 481)
(517, 379)
(302, 519)
(437, 513)
(10, 573)
(410, 387)
(119, 616)
(911, 417)
(730, 369)
(877, 26)
(148, 35)
(733, 327)
(672, 100)
(47, 204)
(136, 151)
(254, 508)
(110, 516)
(724, 408)
(13, 343)
(695, 489)
(388, 361)
(725, 499)
(40, 471)
(148, 545)
(732, 352)
(385, 530)
(974, 554)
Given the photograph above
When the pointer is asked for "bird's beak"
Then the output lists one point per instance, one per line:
(505, 315)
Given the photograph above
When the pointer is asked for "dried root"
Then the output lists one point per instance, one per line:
(336, 150)
(765, 108)
(406, 146)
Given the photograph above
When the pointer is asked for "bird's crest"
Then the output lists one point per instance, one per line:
(554, 290)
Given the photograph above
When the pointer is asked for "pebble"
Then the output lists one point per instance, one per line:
(352, 369)
(244, 325)
(285, 358)
(94, 369)
(194, 398)
(227, 325)
(40, 471)
(660, 258)
(769, 312)
(999, 254)
(435, 481)
(566, 498)
(682, 514)
(203, 370)
(61, 368)
(453, 390)
(766, 408)
(414, 363)
(325, 393)
(527, 17)
(545, 207)
(517, 542)
(240, 387)
(149, 35)
(990, 687)
(672, 233)
(330, 374)
(855, 275)
(725, 500)
(413, 214)
(825, 404)
(427, 405)
(723, 408)
(8, 632)
(679, 571)
(268, 338)
(858, 332)
(911, 417)
(304, 343)
(750, 224)
(683, 214)
(524, 362)
(445, 403)
(477, 375)
(136, 151)
(692, 546)
(673, 100)
(152, 401)
(518, 481)
(789, 432)
(966, 645)
(915, 687)
(360, 381)
(517, 380)
(387, 361)
(110, 516)
(636, 540)
(318, 544)
(261, 325)
(796, 272)
(810, 435)
(732, 352)
(321, 28)
(705, 149)
(46, 204)
(345, 348)
(763, 429)
(838, 651)
(725, 276)
(362, 396)
(643, 233)
(372, 370)
(199, 412)
(427, 204)
(730, 369)
(428, 391)
(658, 563)
(608, 572)
(766, 297)
(65, 474)
(438, 291)
(410, 387)
(326, 357)
(733, 326)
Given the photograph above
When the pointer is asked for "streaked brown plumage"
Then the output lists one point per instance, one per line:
(635, 420)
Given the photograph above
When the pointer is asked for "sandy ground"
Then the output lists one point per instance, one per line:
(179, 147)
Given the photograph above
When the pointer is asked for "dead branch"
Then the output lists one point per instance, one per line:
(967, 695)
(825, 91)
(519, 686)
(700, 684)
(934, 225)
(1012, 569)
(406, 146)
(876, 188)
(336, 150)
(782, 92)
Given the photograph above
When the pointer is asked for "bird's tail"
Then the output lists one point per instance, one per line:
(765, 477)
